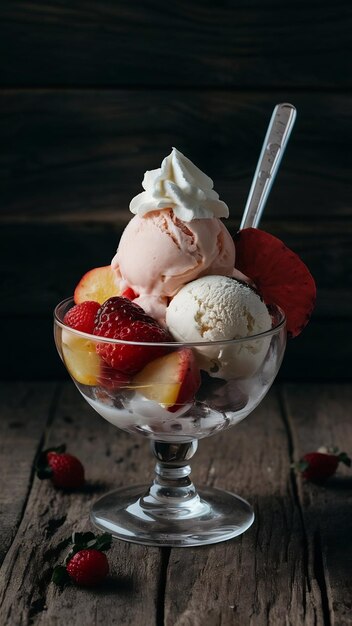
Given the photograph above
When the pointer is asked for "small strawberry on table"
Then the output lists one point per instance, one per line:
(64, 470)
(86, 564)
(320, 465)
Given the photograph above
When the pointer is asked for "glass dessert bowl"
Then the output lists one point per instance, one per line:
(187, 391)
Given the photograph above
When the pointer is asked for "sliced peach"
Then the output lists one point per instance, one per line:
(170, 380)
(81, 359)
(98, 284)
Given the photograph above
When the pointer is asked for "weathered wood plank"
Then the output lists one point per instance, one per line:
(280, 571)
(112, 458)
(321, 415)
(24, 411)
(198, 43)
(319, 353)
(260, 578)
(84, 152)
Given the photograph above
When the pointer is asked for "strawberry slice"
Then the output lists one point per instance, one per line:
(119, 318)
(279, 274)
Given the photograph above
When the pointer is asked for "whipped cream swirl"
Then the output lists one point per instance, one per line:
(180, 185)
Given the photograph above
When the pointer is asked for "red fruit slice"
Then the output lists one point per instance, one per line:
(119, 318)
(170, 380)
(81, 316)
(279, 274)
(98, 284)
(129, 294)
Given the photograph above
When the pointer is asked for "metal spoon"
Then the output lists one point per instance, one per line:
(275, 142)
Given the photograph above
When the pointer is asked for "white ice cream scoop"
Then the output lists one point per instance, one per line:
(218, 308)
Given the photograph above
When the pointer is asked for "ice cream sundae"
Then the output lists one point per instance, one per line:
(178, 280)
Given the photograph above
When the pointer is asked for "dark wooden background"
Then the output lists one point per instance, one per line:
(94, 93)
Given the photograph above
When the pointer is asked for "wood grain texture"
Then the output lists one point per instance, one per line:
(83, 153)
(111, 458)
(199, 43)
(316, 416)
(260, 578)
(291, 567)
(24, 411)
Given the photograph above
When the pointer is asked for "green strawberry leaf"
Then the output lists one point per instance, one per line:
(86, 541)
(81, 539)
(42, 467)
(344, 458)
(60, 576)
(103, 542)
(44, 471)
(301, 466)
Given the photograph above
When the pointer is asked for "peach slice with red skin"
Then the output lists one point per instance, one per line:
(98, 284)
(171, 380)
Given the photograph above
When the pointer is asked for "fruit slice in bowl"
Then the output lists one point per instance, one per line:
(119, 318)
(279, 275)
(81, 359)
(171, 380)
(79, 353)
(98, 284)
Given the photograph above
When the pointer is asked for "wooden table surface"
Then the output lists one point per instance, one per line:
(292, 567)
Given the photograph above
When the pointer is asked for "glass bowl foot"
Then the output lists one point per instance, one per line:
(129, 514)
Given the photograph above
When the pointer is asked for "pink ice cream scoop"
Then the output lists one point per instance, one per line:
(159, 253)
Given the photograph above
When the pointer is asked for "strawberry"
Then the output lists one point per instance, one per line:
(81, 316)
(119, 318)
(85, 564)
(279, 274)
(320, 465)
(116, 311)
(64, 470)
(88, 567)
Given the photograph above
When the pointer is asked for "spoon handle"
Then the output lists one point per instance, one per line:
(275, 142)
